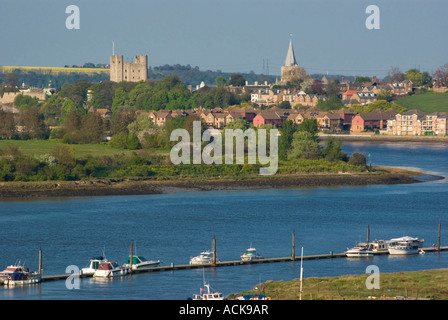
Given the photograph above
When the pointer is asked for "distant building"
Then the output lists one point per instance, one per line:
(291, 70)
(128, 71)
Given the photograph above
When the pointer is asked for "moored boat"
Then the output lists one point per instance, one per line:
(141, 262)
(203, 258)
(108, 269)
(250, 255)
(19, 275)
(405, 245)
(208, 294)
(359, 252)
(93, 265)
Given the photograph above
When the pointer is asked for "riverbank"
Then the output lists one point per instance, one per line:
(410, 285)
(387, 138)
(140, 186)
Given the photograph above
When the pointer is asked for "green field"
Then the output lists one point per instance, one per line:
(39, 147)
(427, 102)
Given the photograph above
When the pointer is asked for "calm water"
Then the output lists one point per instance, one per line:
(174, 227)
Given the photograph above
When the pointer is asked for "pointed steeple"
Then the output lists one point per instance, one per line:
(290, 57)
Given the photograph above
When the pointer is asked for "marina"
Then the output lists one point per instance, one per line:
(218, 264)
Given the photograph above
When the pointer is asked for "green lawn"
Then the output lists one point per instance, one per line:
(427, 102)
(39, 147)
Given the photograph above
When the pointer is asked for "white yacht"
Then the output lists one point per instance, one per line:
(141, 262)
(108, 269)
(359, 252)
(405, 245)
(250, 255)
(93, 265)
(203, 258)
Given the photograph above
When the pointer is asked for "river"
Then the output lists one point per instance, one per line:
(174, 227)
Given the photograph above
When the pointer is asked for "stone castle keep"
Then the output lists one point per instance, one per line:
(128, 71)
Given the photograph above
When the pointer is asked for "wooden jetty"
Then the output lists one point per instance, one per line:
(218, 264)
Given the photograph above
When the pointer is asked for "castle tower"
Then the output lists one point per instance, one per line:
(291, 70)
(128, 71)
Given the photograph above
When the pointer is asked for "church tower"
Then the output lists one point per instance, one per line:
(291, 70)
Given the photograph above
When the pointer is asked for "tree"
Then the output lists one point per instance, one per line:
(331, 103)
(220, 81)
(395, 75)
(7, 125)
(34, 124)
(357, 159)
(64, 155)
(333, 150)
(362, 79)
(236, 80)
(287, 131)
(284, 105)
(92, 128)
(415, 76)
(310, 125)
(304, 146)
(317, 87)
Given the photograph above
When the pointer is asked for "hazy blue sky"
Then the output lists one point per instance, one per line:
(230, 35)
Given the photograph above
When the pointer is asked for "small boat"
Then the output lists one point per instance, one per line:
(141, 262)
(93, 265)
(19, 275)
(405, 245)
(208, 294)
(108, 269)
(203, 258)
(359, 252)
(250, 255)
(254, 297)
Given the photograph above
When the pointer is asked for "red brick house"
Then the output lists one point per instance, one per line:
(268, 117)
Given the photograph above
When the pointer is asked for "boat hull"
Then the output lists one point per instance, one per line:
(110, 273)
(403, 251)
(22, 282)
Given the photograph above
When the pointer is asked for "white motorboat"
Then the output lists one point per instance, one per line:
(359, 252)
(203, 258)
(405, 245)
(141, 262)
(208, 294)
(250, 255)
(108, 269)
(19, 275)
(93, 265)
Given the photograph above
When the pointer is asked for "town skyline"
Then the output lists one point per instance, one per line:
(233, 37)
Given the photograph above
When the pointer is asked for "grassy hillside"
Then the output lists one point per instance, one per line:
(429, 284)
(427, 102)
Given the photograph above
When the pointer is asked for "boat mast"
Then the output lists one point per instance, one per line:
(301, 274)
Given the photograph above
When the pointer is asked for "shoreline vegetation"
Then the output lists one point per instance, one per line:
(22, 190)
(409, 285)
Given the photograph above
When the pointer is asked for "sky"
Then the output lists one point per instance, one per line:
(329, 36)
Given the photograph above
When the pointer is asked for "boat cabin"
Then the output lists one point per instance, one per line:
(107, 265)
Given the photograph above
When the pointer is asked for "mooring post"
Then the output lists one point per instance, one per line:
(40, 260)
(214, 249)
(438, 239)
(130, 256)
(293, 256)
(368, 234)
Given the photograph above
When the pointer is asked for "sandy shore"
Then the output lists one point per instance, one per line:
(103, 187)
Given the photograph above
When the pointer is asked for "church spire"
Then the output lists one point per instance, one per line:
(290, 57)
